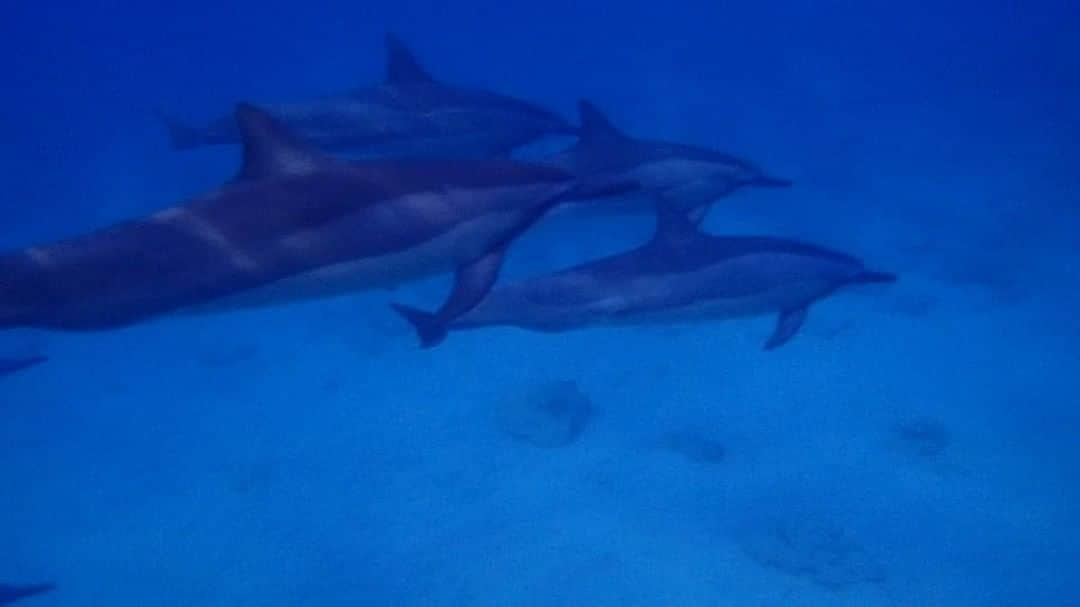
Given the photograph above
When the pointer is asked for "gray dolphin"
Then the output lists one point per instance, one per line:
(295, 223)
(686, 177)
(9, 594)
(410, 114)
(683, 274)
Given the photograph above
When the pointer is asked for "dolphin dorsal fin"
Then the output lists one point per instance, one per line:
(401, 64)
(270, 149)
(673, 225)
(594, 124)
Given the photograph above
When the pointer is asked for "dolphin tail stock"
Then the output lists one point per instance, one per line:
(868, 277)
(182, 136)
(10, 594)
(428, 326)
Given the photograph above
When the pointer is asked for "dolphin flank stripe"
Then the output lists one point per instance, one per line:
(292, 215)
(201, 229)
(682, 274)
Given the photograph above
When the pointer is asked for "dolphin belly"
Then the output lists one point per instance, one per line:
(442, 253)
(616, 311)
(729, 308)
(732, 290)
(669, 173)
(693, 194)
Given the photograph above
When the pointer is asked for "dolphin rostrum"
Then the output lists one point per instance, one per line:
(294, 223)
(411, 114)
(686, 177)
(682, 274)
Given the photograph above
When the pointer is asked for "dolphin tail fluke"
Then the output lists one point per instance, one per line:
(10, 594)
(14, 365)
(428, 326)
(869, 278)
(181, 136)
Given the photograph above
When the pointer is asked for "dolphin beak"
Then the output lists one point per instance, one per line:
(765, 181)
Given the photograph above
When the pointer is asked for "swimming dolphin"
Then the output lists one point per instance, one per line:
(686, 177)
(10, 594)
(410, 114)
(294, 222)
(683, 274)
(14, 365)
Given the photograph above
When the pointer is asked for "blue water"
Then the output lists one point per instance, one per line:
(312, 455)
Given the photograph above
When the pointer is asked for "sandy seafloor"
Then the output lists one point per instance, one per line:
(312, 455)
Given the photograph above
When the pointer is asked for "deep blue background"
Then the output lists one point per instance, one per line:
(82, 80)
(313, 454)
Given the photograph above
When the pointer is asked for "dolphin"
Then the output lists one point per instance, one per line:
(295, 222)
(682, 274)
(10, 594)
(410, 114)
(14, 365)
(686, 177)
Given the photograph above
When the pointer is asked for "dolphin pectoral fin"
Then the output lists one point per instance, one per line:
(765, 181)
(787, 325)
(674, 223)
(697, 214)
(10, 594)
(427, 325)
(473, 282)
(869, 277)
(181, 136)
(14, 365)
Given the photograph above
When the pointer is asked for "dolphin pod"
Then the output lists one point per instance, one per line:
(300, 223)
(440, 196)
